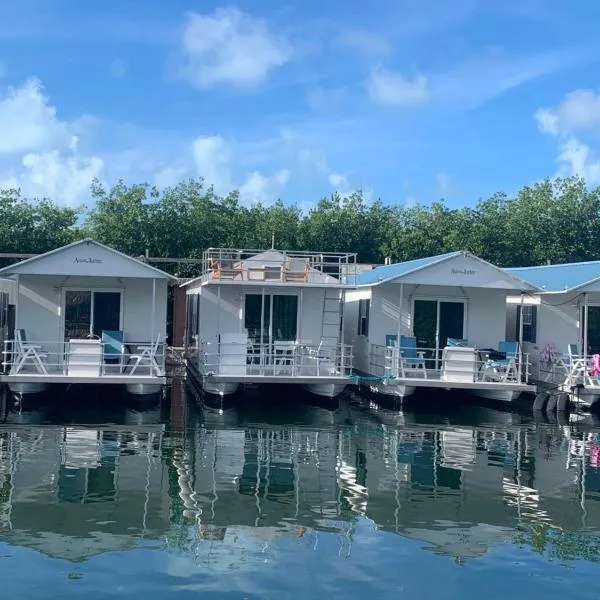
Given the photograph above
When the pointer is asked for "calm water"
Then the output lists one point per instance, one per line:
(297, 503)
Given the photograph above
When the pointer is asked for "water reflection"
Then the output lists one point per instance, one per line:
(230, 492)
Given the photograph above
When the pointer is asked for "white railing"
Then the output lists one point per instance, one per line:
(484, 364)
(83, 358)
(279, 359)
(309, 267)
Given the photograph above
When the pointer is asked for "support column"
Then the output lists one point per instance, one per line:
(585, 327)
(520, 369)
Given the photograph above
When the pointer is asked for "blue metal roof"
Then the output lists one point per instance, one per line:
(559, 278)
(387, 272)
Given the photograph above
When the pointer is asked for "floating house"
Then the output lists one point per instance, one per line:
(85, 313)
(268, 317)
(561, 326)
(436, 322)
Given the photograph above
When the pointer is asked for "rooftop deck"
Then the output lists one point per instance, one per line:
(278, 267)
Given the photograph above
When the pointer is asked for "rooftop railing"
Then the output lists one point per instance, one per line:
(229, 264)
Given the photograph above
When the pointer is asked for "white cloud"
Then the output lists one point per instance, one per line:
(258, 188)
(27, 120)
(39, 153)
(60, 176)
(577, 111)
(394, 89)
(215, 160)
(229, 46)
(366, 42)
(212, 159)
(577, 158)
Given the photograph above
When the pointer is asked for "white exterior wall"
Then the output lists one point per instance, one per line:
(229, 318)
(39, 309)
(359, 343)
(485, 322)
(557, 324)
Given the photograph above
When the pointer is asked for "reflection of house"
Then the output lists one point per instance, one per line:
(64, 479)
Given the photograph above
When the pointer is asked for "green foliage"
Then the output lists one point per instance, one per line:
(551, 221)
(558, 544)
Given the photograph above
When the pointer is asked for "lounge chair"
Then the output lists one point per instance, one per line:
(113, 348)
(297, 269)
(28, 353)
(227, 268)
(503, 369)
(146, 354)
(410, 358)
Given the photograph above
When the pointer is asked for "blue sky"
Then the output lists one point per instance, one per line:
(410, 100)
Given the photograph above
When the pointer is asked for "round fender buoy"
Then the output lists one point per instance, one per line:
(540, 401)
(563, 402)
(552, 400)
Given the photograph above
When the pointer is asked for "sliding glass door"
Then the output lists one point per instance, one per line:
(271, 317)
(593, 330)
(88, 313)
(434, 321)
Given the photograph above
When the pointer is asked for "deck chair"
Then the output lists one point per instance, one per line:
(297, 269)
(284, 354)
(503, 369)
(113, 348)
(145, 354)
(410, 359)
(227, 269)
(28, 353)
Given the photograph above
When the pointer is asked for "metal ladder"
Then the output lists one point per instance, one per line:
(331, 318)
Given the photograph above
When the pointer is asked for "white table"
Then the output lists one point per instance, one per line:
(85, 358)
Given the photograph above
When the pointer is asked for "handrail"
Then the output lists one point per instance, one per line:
(387, 361)
(284, 359)
(251, 265)
(58, 358)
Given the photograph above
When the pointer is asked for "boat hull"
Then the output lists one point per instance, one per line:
(222, 388)
(497, 395)
(28, 387)
(326, 390)
(143, 389)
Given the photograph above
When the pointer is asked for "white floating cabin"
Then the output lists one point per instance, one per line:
(267, 317)
(436, 322)
(561, 326)
(85, 313)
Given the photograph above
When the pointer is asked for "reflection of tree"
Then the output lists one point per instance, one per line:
(557, 544)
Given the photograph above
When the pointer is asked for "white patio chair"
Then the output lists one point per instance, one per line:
(284, 354)
(146, 354)
(28, 353)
